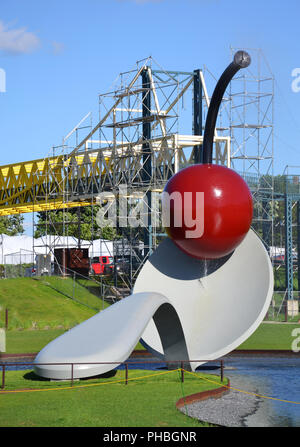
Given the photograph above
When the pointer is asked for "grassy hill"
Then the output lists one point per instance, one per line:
(44, 303)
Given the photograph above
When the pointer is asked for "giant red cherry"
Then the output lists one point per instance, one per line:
(207, 210)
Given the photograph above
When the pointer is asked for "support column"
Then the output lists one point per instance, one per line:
(197, 108)
(78, 212)
(266, 224)
(298, 244)
(288, 248)
(147, 158)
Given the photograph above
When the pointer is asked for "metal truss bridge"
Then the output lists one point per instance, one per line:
(133, 144)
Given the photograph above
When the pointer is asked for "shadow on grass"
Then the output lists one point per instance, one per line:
(199, 368)
(34, 377)
(207, 367)
(106, 375)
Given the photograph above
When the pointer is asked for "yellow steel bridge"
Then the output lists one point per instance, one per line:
(38, 185)
(122, 158)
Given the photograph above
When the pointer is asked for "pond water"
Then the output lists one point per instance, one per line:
(276, 377)
(273, 376)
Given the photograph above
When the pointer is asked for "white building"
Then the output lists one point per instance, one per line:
(22, 249)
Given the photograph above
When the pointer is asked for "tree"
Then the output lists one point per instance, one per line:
(12, 225)
(79, 222)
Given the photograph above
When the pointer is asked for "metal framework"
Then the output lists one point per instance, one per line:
(247, 116)
(143, 135)
(37, 185)
(291, 197)
(101, 164)
(287, 192)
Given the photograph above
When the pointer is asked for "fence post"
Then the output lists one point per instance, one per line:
(3, 377)
(72, 373)
(222, 370)
(126, 373)
(73, 285)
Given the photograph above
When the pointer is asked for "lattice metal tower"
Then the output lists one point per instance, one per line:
(150, 125)
(247, 116)
(252, 137)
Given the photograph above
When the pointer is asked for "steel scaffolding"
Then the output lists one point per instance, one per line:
(247, 117)
(149, 126)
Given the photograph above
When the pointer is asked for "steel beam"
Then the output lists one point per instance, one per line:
(298, 243)
(266, 224)
(147, 156)
(288, 247)
(197, 108)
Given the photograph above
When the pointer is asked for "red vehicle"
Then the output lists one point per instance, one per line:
(101, 265)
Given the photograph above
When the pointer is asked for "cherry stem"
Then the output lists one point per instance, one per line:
(241, 60)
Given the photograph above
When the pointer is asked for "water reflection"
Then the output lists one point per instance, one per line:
(276, 377)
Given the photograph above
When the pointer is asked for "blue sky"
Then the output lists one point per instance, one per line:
(59, 55)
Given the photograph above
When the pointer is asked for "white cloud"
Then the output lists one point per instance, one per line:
(17, 40)
(57, 47)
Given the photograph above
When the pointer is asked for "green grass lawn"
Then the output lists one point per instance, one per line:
(268, 336)
(43, 303)
(147, 401)
(40, 311)
(271, 336)
(22, 342)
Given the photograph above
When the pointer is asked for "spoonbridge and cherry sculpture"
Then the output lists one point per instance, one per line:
(202, 292)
